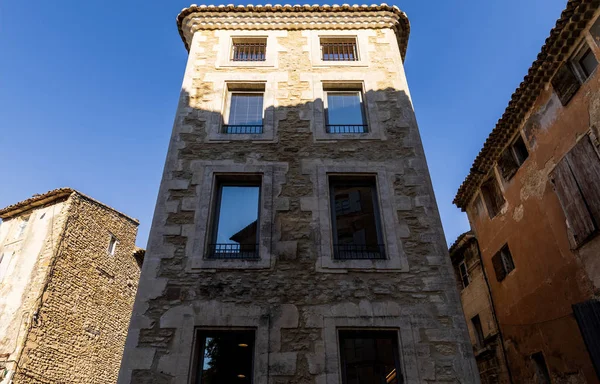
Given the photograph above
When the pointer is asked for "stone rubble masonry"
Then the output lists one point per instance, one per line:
(294, 300)
(77, 304)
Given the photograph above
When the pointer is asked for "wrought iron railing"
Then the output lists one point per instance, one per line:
(359, 252)
(339, 51)
(249, 51)
(242, 128)
(352, 128)
(232, 251)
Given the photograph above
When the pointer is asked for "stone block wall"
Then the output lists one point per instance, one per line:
(79, 331)
(296, 302)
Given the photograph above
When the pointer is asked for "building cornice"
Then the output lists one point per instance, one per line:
(293, 17)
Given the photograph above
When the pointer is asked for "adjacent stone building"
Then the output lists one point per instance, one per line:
(296, 238)
(69, 271)
(479, 310)
(533, 201)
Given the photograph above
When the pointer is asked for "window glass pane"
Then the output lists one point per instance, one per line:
(520, 150)
(588, 62)
(246, 109)
(344, 108)
(225, 357)
(369, 357)
(238, 214)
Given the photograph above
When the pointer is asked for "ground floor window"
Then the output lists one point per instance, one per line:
(369, 357)
(224, 356)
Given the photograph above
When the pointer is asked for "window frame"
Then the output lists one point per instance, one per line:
(487, 200)
(499, 260)
(248, 38)
(361, 180)
(362, 43)
(478, 331)
(242, 89)
(357, 89)
(577, 67)
(341, 37)
(111, 250)
(466, 274)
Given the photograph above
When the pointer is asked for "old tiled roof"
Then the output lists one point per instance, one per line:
(562, 37)
(460, 240)
(403, 25)
(49, 197)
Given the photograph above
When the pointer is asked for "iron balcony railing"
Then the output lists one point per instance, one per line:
(232, 251)
(352, 128)
(249, 51)
(242, 128)
(339, 51)
(359, 252)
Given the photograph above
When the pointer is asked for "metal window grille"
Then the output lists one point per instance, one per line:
(249, 51)
(240, 129)
(232, 251)
(359, 251)
(339, 51)
(354, 128)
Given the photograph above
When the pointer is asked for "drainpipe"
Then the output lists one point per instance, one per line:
(487, 283)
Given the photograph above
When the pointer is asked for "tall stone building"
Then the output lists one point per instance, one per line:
(533, 201)
(69, 271)
(296, 237)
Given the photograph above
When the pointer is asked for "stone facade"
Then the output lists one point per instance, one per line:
(295, 297)
(65, 300)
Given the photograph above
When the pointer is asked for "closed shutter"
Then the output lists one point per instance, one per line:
(587, 315)
(565, 84)
(498, 267)
(585, 165)
(572, 201)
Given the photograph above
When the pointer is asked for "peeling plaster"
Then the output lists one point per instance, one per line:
(518, 213)
(535, 180)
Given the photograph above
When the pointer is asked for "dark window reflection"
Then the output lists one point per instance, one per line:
(226, 357)
(370, 357)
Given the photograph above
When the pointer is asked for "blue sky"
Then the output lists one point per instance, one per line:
(88, 91)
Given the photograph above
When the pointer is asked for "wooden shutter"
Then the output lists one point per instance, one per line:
(572, 201)
(507, 164)
(585, 165)
(565, 83)
(498, 267)
(587, 315)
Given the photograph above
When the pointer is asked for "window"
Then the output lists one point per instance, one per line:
(503, 263)
(235, 219)
(572, 74)
(224, 357)
(344, 110)
(245, 112)
(464, 273)
(478, 330)
(355, 218)
(575, 179)
(112, 245)
(513, 157)
(492, 195)
(339, 49)
(249, 49)
(22, 226)
(370, 357)
(541, 369)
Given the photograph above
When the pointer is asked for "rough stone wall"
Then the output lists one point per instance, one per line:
(79, 332)
(295, 307)
(534, 301)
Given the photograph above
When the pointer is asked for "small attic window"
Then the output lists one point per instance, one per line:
(112, 245)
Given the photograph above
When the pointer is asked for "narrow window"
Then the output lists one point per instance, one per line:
(22, 227)
(344, 111)
(112, 245)
(235, 227)
(370, 357)
(355, 218)
(503, 263)
(245, 111)
(339, 49)
(249, 49)
(587, 62)
(224, 357)
(541, 369)
(513, 157)
(464, 274)
(492, 195)
(478, 330)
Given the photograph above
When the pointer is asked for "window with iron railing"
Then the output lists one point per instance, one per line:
(344, 112)
(245, 114)
(249, 50)
(339, 49)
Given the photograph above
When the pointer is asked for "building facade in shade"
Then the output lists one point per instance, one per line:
(479, 310)
(69, 271)
(296, 238)
(533, 201)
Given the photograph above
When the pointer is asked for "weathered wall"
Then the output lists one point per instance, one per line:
(295, 302)
(80, 331)
(23, 272)
(476, 300)
(534, 301)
